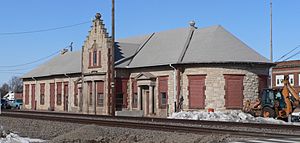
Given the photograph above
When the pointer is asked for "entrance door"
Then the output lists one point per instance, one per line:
(146, 95)
(234, 91)
(66, 96)
(119, 102)
(33, 106)
(52, 96)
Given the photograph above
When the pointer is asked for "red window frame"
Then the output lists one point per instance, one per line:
(26, 94)
(162, 90)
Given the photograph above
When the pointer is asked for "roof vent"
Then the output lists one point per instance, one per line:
(192, 23)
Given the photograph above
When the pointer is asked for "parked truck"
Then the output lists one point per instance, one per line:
(275, 103)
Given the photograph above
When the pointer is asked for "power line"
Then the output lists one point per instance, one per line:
(288, 53)
(292, 56)
(43, 30)
(32, 62)
(12, 72)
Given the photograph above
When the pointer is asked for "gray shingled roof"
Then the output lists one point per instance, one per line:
(163, 48)
(215, 44)
(179, 46)
(206, 45)
(67, 63)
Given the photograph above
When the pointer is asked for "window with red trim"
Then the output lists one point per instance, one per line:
(42, 93)
(94, 58)
(26, 94)
(163, 92)
(100, 95)
(58, 93)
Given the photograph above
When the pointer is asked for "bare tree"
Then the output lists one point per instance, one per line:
(16, 84)
(4, 89)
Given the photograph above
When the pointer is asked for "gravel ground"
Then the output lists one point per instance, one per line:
(45, 130)
(58, 132)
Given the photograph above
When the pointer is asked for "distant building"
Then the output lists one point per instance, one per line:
(206, 67)
(9, 96)
(289, 68)
(12, 96)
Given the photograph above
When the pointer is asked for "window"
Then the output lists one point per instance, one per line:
(58, 92)
(100, 95)
(291, 79)
(26, 94)
(100, 99)
(75, 94)
(42, 93)
(299, 80)
(279, 80)
(163, 92)
(135, 100)
(95, 58)
(163, 100)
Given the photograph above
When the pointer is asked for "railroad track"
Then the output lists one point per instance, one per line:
(163, 124)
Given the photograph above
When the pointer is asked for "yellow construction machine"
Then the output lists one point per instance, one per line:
(274, 103)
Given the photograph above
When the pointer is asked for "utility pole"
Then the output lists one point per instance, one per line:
(271, 44)
(112, 63)
(271, 33)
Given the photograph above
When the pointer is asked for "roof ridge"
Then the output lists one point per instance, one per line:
(140, 47)
(187, 43)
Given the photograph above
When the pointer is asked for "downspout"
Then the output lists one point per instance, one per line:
(69, 90)
(174, 86)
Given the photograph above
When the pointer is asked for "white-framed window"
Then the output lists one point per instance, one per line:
(291, 79)
(299, 79)
(279, 80)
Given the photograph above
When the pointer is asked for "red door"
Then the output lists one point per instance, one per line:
(234, 91)
(33, 106)
(52, 96)
(66, 93)
(196, 91)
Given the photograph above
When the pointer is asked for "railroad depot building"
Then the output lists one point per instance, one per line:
(198, 68)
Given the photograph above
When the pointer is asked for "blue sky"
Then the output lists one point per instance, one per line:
(247, 19)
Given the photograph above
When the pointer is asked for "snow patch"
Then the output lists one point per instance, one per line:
(14, 138)
(228, 116)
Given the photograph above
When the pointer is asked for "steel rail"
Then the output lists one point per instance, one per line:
(153, 125)
(165, 120)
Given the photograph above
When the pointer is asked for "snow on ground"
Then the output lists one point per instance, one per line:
(229, 116)
(14, 138)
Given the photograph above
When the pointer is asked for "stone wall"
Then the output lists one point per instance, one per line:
(215, 84)
(47, 81)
